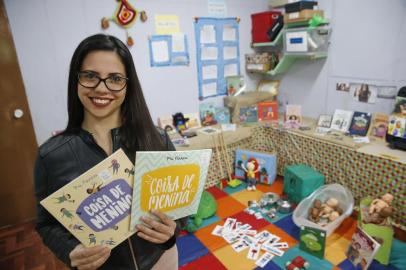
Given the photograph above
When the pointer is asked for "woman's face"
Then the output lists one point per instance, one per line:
(100, 102)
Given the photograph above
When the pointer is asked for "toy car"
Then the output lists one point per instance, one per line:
(297, 263)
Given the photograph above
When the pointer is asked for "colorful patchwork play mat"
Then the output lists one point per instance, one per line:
(204, 250)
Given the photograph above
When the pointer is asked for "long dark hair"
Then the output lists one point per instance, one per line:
(137, 131)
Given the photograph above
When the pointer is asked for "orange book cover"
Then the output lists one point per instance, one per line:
(268, 111)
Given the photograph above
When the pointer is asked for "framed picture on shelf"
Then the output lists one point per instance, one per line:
(324, 120)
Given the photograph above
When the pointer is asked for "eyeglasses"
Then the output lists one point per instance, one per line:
(114, 82)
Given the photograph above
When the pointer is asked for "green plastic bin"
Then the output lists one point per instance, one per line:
(300, 181)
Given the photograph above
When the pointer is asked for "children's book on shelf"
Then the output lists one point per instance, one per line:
(169, 181)
(194, 120)
(235, 85)
(362, 249)
(324, 120)
(313, 241)
(95, 207)
(379, 125)
(249, 115)
(207, 113)
(266, 162)
(341, 120)
(397, 126)
(222, 115)
(360, 123)
(268, 111)
(293, 113)
(166, 123)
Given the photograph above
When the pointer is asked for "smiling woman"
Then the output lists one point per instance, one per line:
(107, 111)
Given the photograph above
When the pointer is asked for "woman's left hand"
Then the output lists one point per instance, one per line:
(160, 231)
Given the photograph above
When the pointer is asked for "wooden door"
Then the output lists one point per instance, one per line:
(17, 139)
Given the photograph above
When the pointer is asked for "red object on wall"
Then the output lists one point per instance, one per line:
(261, 23)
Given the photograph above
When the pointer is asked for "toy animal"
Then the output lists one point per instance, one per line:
(207, 208)
(179, 121)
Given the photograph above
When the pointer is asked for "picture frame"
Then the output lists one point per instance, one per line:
(271, 86)
(324, 120)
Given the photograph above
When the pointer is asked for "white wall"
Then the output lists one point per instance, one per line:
(367, 44)
(46, 32)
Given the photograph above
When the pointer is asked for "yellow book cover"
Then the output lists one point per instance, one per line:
(170, 181)
(95, 207)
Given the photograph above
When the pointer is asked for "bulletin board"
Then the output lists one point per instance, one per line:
(217, 53)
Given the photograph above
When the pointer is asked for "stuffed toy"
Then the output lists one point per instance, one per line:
(378, 205)
(179, 122)
(251, 168)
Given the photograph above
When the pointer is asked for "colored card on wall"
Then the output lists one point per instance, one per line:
(95, 207)
(169, 181)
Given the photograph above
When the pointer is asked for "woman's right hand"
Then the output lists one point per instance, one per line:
(84, 258)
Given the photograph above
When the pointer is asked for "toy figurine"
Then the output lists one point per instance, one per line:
(315, 211)
(179, 122)
(378, 205)
(251, 169)
(328, 207)
(297, 263)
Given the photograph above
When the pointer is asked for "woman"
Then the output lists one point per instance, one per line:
(107, 111)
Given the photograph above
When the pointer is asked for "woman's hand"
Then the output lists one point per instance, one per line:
(159, 231)
(88, 258)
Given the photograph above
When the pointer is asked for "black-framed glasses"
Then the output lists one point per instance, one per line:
(113, 82)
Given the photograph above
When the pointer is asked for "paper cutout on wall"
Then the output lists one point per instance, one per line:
(217, 45)
(217, 8)
(168, 50)
(124, 16)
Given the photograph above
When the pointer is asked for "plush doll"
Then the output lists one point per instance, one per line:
(251, 169)
(328, 208)
(378, 205)
(179, 122)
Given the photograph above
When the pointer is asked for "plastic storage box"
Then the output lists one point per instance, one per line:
(300, 181)
(345, 202)
(261, 23)
(306, 40)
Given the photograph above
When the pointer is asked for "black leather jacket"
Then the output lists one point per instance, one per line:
(60, 160)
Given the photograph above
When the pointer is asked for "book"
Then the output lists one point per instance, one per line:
(95, 207)
(360, 123)
(168, 181)
(166, 123)
(235, 85)
(207, 113)
(194, 120)
(266, 161)
(379, 125)
(249, 115)
(362, 249)
(341, 120)
(324, 121)
(293, 114)
(268, 111)
(222, 115)
(313, 241)
(397, 126)
(271, 86)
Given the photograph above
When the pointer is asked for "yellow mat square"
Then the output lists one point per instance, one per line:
(336, 246)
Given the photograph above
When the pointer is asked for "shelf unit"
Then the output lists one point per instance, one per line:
(287, 59)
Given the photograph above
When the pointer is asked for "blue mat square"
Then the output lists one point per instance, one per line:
(290, 254)
(231, 190)
(209, 221)
(289, 226)
(270, 266)
(189, 249)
